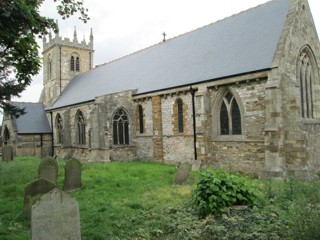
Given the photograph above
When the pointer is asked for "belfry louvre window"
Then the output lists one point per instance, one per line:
(309, 83)
(81, 128)
(120, 128)
(72, 67)
(59, 127)
(180, 115)
(230, 116)
(77, 64)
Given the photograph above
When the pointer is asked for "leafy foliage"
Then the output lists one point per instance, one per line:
(217, 190)
(20, 25)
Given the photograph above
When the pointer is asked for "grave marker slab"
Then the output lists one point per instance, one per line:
(56, 216)
(182, 173)
(7, 153)
(48, 169)
(72, 175)
(33, 192)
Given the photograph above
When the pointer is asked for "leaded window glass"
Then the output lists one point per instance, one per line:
(120, 128)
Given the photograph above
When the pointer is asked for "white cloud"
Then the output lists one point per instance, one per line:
(121, 27)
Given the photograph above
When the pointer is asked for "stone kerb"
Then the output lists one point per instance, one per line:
(72, 175)
(48, 169)
(33, 192)
(7, 153)
(182, 173)
(55, 216)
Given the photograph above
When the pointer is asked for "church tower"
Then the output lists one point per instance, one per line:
(62, 60)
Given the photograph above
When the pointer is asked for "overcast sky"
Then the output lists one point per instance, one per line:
(121, 27)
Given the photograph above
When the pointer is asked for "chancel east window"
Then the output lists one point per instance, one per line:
(230, 116)
(81, 128)
(59, 127)
(307, 76)
(121, 128)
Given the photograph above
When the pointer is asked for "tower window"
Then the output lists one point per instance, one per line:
(77, 64)
(72, 63)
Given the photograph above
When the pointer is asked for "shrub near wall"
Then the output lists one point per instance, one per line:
(217, 190)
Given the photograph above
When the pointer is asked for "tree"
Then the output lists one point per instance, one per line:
(20, 25)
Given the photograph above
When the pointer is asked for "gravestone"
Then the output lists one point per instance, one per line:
(48, 169)
(56, 216)
(182, 173)
(72, 175)
(7, 153)
(33, 192)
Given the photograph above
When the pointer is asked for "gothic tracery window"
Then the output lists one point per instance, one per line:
(120, 128)
(72, 67)
(81, 128)
(230, 116)
(307, 79)
(77, 64)
(59, 127)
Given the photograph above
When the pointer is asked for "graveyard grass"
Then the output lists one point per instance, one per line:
(138, 201)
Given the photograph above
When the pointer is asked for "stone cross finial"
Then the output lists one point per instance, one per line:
(164, 36)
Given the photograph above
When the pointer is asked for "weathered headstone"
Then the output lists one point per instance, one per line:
(182, 173)
(48, 169)
(56, 216)
(72, 175)
(7, 153)
(33, 192)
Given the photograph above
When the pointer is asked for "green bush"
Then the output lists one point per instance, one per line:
(217, 190)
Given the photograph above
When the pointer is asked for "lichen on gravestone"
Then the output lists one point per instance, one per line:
(182, 173)
(48, 169)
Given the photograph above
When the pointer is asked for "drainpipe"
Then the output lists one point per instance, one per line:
(52, 143)
(192, 91)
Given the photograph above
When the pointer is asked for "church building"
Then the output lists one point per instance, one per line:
(242, 93)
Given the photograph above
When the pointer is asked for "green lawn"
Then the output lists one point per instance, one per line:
(137, 201)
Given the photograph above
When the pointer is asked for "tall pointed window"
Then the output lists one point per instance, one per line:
(6, 135)
(180, 115)
(81, 128)
(141, 119)
(72, 64)
(121, 128)
(307, 75)
(59, 128)
(230, 116)
(77, 64)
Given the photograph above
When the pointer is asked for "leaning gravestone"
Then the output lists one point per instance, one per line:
(56, 216)
(182, 173)
(33, 192)
(48, 169)
(72, 175)
(7, 153)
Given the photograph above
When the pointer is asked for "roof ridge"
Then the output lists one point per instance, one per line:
(185, 33)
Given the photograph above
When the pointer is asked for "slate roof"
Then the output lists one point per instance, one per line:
(245, 42)
(34, 120)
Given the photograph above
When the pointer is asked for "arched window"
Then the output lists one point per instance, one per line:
(120, 128)
(77, 64)
(81, 128)
(180, 115)
(141, 119)
(72, 66)
(6, 135)
(59, 127)
(307, 75)
(230, 116)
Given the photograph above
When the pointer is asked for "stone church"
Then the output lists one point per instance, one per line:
(242, 93)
